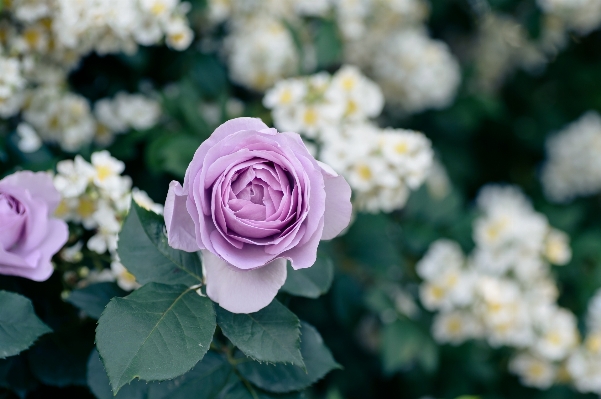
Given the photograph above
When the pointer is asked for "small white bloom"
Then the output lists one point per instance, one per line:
(29, 141)
(143, 200)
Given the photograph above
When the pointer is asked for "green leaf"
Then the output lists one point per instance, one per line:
(204, 381)
(281, 378)
(270, 335)
(19, 326)
(241, 391)
(144, 251)
(94, 298)
(99, 384)
(60, 359)
(311, 282)
(156, 333)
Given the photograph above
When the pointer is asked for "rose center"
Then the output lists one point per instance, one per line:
(261, 193)
(12, 221)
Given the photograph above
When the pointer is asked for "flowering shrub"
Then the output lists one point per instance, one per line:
(300, 199)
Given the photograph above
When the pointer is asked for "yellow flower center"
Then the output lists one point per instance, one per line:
(286, 96)
(54, 123)
(310, 117)
(593, 343)
(437, 292)
(351, 107)
(454, 326)
(103, 172)
(177, 37)
(32, 37)
(128, 277)
(348, 83)
(554, 338)
(364, 172)
(401, 148)
(536, 370)
(86, 207)
(158, 8)
(62, 209)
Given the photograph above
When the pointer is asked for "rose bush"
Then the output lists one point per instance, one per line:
(29, 235)
(253, 198)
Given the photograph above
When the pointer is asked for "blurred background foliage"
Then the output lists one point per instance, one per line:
(483, 137)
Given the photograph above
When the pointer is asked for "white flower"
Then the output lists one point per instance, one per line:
(73, 253)
(73, 177)
(179, 35)
(106, 237)
(11, 85)
(557, 247)
(107, 170)
(29, 141)
(137, 111)
(286, 93)
(533, 371)
(125, 280)
(573, 167)
(261, 51)
(143, 200)
(583, 16)
(416, 72)
(441, 255)
(455, 327)
(558, 335)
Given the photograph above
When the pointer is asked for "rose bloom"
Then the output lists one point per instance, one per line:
(29, 236)
(253, 198)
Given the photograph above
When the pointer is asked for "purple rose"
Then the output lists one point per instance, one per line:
(29, 236)
(252, 198)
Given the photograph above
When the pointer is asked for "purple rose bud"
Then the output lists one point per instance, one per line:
(29, 236)
(253, 198)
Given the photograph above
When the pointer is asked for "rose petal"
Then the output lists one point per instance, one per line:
(38, 184)
(304, 255)
(223, 131)
(242, 291)
(179, 224)
(338, 211)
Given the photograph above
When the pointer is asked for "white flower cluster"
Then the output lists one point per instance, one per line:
(501, 46)
(97, 196)
(318, 105)
(573, 166)
(41, 40)
(12, 84)
(124, 112)
(381, 165)
(359, 19)
(580, 16)
(584, 365)
(415, 71)
(503, 292)
(65, 118)
(388, 40)
(259, 47)
(65, 30)
(261, 51)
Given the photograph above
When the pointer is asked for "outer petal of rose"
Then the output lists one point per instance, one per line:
(338, 203)
(242, 291)
(38, 184)
(21, 264)
(228, 128)
(179, 224)
(304, 255)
